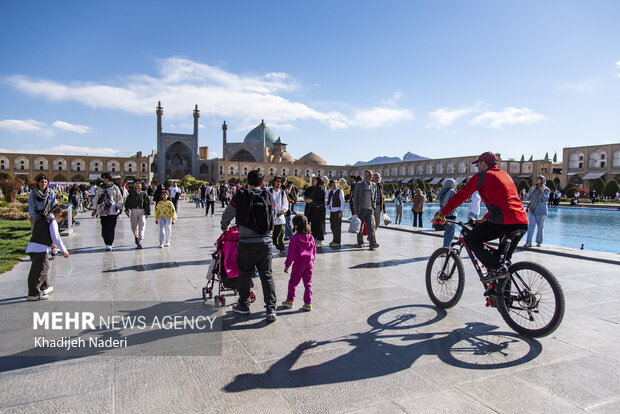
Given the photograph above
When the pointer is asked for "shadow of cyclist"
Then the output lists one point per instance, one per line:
(378, 351)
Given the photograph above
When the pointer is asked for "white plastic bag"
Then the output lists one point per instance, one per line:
(355, 225)
(386, 219)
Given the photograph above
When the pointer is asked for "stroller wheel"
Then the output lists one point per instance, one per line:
(204, 293)
(223, 300)
(252, 296)
(210, 292)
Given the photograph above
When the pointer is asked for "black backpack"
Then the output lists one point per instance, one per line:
(255, 211)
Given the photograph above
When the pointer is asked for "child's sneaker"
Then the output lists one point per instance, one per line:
(167, 245)
(307, 307)
(161, 245)
(288, 305)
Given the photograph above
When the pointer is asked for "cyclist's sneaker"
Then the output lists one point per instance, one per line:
(287, 304)
(241, 309)
(499, 273)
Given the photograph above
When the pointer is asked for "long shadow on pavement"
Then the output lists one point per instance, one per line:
(388, 263)
(374, 354)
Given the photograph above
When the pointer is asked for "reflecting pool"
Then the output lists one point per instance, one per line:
(596, 229)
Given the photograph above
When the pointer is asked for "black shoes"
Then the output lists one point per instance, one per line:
(241, 309)
(271, 314)
(501, 272)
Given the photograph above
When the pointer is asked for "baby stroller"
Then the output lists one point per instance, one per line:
(223, 269)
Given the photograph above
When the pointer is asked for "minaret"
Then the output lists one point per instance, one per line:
(195, 149)
(224, 129)
(196, 116)
(262, 134)
(159, 110)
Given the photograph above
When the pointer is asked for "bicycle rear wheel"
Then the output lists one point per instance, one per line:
(531, 300)
(445, 278)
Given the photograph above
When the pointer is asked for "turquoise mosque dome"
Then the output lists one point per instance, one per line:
(255, 137)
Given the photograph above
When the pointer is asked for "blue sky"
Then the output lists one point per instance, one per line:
(349, 80)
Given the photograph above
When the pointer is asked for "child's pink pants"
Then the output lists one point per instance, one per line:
(301, 272)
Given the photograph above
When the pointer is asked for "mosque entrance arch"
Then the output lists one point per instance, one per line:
(178, 160)
(243, 155)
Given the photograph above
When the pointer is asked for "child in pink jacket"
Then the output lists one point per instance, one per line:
(301, 253)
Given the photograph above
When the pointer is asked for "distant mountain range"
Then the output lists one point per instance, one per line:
(409, 156)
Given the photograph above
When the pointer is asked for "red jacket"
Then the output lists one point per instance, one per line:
(498, 192)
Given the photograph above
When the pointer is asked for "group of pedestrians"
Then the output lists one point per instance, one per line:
(266, 218)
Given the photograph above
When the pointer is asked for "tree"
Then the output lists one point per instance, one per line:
(522, 157)
(555, 158)
(546, 156)
(9, 187)
(187, 181)
(611, 188)
(598, 185)
(299, 182)
(551, 185)
(523, 184)
(531, 158)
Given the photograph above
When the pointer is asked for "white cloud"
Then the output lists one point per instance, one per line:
(18, 125)
(584, 86)
(181, 83)
(618, 67)
(509, 116)
(69, 150)
(443, 117)
(33, 126)
(378, 117)
(65, 126)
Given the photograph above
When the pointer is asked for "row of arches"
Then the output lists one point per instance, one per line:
(597, 159)
(22, 163)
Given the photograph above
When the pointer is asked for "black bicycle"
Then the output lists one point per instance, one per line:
(530, 299)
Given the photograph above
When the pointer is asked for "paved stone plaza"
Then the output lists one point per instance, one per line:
(373, 342)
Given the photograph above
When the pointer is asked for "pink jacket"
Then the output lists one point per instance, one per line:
(227, 246)
(301, 249)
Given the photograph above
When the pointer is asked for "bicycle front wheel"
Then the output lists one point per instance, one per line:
(531, 300)
(445, 278)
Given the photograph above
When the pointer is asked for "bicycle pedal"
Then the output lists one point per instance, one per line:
(489, 303)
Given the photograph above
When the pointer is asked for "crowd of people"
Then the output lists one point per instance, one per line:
(266, 218)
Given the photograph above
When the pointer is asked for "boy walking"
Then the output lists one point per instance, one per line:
(138, 208)
(335, 202)
(281, 207)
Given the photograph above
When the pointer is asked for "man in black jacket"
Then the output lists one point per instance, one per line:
(253, 211)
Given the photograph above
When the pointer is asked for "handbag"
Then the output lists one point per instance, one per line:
(354, 226)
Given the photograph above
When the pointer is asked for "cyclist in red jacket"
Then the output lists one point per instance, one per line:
(505, 211)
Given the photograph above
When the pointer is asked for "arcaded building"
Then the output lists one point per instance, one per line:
(582, 165)
(75, 168)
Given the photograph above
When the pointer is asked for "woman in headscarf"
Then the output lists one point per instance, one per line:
(538, 196)
(108, 204)
(317, 211)
(41, 200)
(418, 207)
(445, 194)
